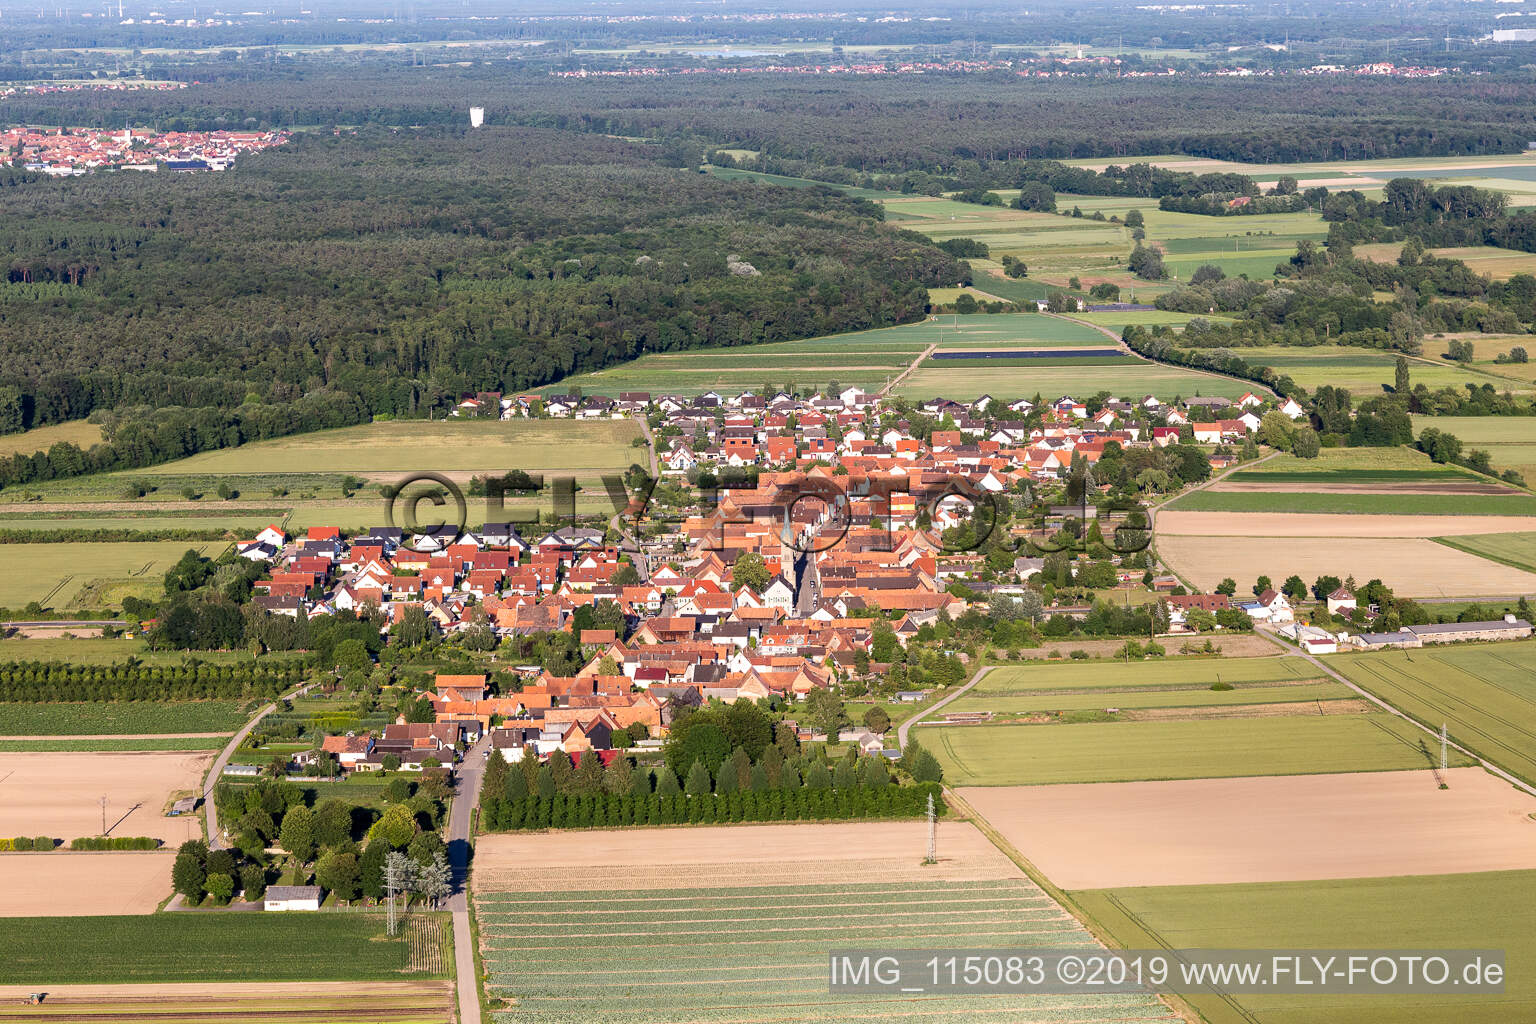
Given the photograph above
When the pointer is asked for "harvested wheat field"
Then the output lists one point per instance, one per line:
(1173, 523)
(379, 1002)
(1411, 566)
(730, 854)
(735, 924)
(65, 884)
(1265, 829)
(59, 794)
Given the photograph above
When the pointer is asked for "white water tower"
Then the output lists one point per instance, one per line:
(476, 116)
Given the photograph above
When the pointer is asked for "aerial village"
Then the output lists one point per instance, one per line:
(838, 526)
(67, 152)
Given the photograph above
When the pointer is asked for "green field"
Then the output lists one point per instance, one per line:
(1485, 694)
(1151, 697)
(76, 432)
(122, 718)
(200, 947)
(1144, 318)
(1385, 503)
(98, 651)
(1026, 679)
(1509, 440)
(118, 744)
(1413, 913)
(759, 953)
(1368, 371)
(57, 574)
(1351, 465)
(1514, 549)
(1166, 382)
(585, 448)
(1020, 755)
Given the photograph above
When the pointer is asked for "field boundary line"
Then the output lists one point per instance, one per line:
(1481, 761)
(1063, 899)
(1153, 510)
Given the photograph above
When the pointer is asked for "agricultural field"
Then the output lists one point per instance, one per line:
(86, 884)
(749, 927)
(76, 432)
(1020, 755)
(1411, 566)
(74, 574)
(54, 744)
(123, 718)
(383, 1002)
(456, 448)
(1155, 701)
(1499, 264)
(1468, 911)
(59, 795)
(1370, 372)
(1453, 501)
(1513, 549)
(1163, 672)
(1272, 829)
(1485, 694)
(102, 651)
(866, 359)
(1167, 382)
(1117, 321)
(185, 947)
(1509, 440)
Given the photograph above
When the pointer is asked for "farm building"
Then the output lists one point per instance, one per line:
(292, 897)
(1379, 641)
(1509, 628)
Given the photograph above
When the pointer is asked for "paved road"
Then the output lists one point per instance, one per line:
(471, 772)
(1383, 705)
(901, 731)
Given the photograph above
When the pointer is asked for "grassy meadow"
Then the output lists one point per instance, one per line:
(76, 432)
(73, 575)
(1384, 503)
(1018, 755)
(1513, 549)
(1424, 912)
(1484, 693)
(1509, 440)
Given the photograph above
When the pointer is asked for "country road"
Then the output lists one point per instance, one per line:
(901, 731)
(461, 818)
(216, 770)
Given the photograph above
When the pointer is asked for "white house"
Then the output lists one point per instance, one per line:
(1341, 600)
(1292, 408)
(292, 897)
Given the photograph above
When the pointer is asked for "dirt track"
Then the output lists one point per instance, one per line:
(1271, 829)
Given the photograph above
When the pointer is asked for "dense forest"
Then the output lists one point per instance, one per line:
(388, 273)
(955, 124)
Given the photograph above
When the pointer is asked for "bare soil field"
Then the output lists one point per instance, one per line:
(1412, 566)
(735, 855)
(59, 794)
(1266, 829)
(1300, 524)
(377, 1002)
(65, 884)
